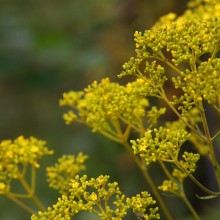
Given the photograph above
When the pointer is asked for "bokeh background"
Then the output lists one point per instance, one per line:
(52, 46)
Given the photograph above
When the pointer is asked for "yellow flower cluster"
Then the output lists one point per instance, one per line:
(189, 47)
(101, 197)
(154, 114)
(197, 9)
(170, 186)
(139, 203)
(59, 175)
(186, 166)
(151, 85)
(16, 155)
(203, 9)
(104, 102)
(193, 118)
(164, 145)
(160, 144)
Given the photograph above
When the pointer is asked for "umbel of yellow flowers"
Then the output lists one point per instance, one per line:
(94, 195)
(16, 156)
(177, 52)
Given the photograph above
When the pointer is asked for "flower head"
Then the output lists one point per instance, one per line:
(64, 170)
(17, 154)
(103, 102)
(99, 196)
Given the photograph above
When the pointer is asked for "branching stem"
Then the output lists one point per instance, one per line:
(189, 205)
(21, 204)
(210, 144)
(164, 97)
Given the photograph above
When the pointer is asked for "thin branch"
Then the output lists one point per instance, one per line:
(21, 204)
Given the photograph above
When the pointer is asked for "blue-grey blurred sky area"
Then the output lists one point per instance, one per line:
(48, 47)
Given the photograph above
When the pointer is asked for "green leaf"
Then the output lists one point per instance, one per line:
(206, 197)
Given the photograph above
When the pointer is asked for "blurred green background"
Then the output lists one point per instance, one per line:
(52, 46)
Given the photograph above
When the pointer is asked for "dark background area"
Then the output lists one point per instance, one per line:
(52, 46)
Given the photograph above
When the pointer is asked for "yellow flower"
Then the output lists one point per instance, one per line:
(93, 196)
(2, 187)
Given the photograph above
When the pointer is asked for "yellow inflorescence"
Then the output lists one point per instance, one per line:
(104, 102)
(163, 145)
(17, 154)
(188, 44)
(99, 196)
(160, 144)
(64, 170)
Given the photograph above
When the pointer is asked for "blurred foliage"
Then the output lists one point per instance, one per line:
(52, 46)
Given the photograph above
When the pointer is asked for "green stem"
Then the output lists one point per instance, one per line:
(20, 196)
(30, 192)
(203, 187)
(33, 178)
(21, 204)
(131, 125)
(117, 127)
(127, 132)
(181, 194)
(164, 97)
(24, 170)
(109, 136)
(163, 59)
(157, 194)
(216, 135)
(38, 203)
(210, 143)
(189, 205)
(165, 170)
(196, 181)
(219, 102)
(216, 108)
